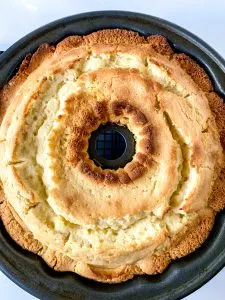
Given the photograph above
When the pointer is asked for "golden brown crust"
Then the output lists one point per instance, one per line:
(69, 43)
(154, 264)
(114, 37)
(160, 44)
(196, 72)
(197, 234)
(20, 235)
(99, 114)
(218, 108)
(116, 275)
(194, 238)
(217, 199)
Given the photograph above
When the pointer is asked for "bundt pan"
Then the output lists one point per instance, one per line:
(182, 276)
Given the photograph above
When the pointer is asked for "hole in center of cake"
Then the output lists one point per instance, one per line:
(111, 146)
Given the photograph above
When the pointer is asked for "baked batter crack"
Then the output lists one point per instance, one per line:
(18, 162)
(184, 166)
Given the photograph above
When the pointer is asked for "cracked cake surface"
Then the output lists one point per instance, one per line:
(109, 225)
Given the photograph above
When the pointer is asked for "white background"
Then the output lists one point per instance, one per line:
(204, 18)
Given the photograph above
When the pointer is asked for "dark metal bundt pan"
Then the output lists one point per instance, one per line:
(182, 276)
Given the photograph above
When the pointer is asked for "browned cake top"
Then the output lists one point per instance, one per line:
(101, 223)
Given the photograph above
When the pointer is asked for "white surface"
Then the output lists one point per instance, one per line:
(204, 18)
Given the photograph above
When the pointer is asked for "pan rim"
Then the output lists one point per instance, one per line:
(215, 266)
